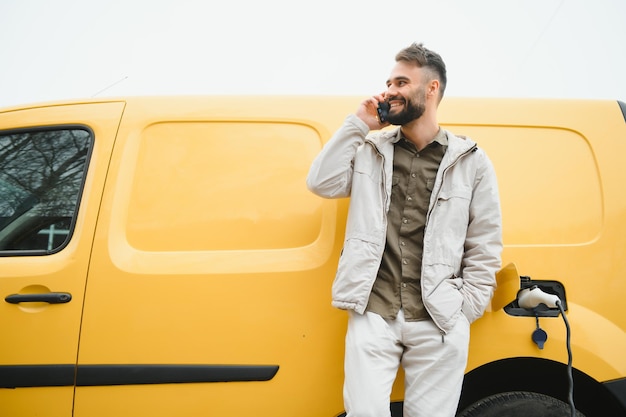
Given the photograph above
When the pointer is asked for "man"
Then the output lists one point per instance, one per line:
(422, 245)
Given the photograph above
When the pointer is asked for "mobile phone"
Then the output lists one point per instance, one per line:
(383, 111)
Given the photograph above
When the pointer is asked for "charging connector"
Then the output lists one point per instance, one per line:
(534, 296)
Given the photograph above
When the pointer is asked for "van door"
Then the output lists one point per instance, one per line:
(208, 291)
(53, 163)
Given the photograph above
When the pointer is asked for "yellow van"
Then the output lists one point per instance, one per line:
(163, 257)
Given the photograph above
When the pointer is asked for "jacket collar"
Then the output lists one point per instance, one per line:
(457, 145)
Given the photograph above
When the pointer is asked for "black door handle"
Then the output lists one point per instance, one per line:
(50, 298)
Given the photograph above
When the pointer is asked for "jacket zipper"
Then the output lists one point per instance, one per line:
(430, 210)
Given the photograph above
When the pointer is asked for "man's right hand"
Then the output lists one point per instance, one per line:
(368, 113)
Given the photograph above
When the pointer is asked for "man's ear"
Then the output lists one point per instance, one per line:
(433, 88)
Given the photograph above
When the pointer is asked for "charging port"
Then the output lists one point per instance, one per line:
(542, 310)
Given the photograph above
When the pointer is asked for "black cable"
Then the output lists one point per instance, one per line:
(570, 396)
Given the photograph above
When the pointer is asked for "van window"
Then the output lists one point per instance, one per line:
(215, 186)
(41, 175)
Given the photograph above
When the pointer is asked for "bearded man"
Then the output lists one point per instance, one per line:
(422, 246)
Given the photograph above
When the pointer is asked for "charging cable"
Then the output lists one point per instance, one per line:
(570, 378)
(531, 298)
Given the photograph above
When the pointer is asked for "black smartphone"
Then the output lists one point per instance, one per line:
(383, 111)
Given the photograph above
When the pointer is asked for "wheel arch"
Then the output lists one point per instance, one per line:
(542, 376)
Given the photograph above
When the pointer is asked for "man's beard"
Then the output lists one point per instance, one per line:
(413, 110)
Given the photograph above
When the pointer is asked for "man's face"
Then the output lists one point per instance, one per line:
(406, 93)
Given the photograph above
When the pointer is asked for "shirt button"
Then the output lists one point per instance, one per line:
(402, 243)
(404, 261)
(413, 175)
(409, 198)
(404, 285)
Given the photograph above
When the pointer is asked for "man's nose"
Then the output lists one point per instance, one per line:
(391, 92)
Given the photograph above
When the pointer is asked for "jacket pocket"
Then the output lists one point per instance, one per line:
(356, 272)
(367, 164)
(455, 200)
(449, 222)
(445, 301)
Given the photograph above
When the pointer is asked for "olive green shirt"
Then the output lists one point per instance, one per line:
(397, 285)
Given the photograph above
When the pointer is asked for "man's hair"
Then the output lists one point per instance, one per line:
(425, 58)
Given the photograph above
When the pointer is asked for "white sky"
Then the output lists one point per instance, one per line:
(493, 48)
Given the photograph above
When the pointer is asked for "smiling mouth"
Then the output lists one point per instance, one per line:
(395, 104)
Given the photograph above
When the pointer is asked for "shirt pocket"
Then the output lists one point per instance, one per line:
(430, 184)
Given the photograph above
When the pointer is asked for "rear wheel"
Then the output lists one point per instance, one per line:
(518, 404)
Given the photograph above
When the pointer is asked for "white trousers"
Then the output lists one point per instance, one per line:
(433, 365)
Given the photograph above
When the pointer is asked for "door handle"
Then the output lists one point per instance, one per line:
(49, 297)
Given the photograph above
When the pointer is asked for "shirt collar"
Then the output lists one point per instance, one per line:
(441, 137)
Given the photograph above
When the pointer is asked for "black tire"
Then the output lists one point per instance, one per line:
(518, 404)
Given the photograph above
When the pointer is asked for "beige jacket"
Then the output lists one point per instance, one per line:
(463, 234)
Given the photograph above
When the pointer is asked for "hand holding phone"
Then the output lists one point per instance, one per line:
(383, 111)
